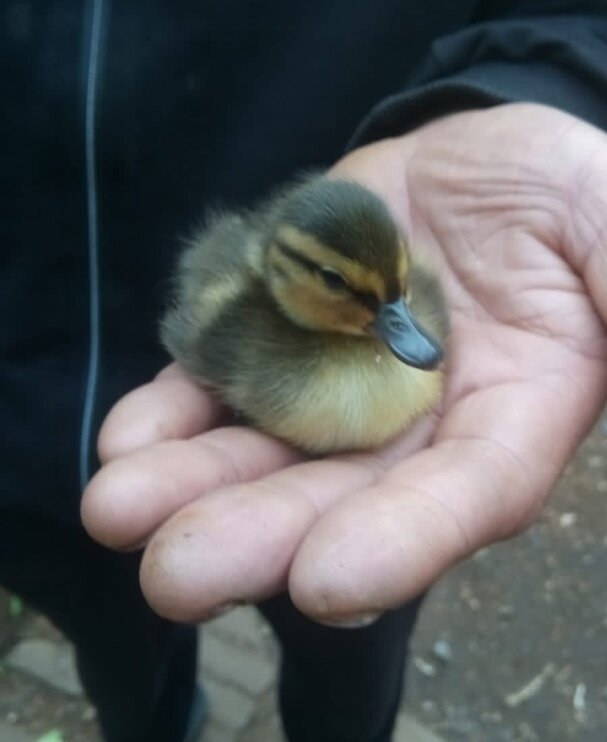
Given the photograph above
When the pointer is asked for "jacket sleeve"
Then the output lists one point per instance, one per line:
(553, 53)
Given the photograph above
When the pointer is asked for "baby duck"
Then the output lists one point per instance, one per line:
(310, 317)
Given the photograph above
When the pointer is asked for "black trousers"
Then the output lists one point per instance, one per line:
(336, 685)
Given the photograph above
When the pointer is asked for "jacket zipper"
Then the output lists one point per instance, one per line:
(95, 12)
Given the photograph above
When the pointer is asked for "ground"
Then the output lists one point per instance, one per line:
(511, 645)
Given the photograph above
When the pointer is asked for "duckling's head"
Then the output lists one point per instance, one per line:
(336, 262)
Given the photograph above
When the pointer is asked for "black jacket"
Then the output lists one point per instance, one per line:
(122, 121)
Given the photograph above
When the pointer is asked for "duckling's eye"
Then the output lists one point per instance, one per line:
(333, 280)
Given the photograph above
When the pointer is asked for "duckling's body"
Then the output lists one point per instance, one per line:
(320, 388)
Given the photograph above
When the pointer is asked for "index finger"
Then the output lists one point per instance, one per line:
(170, 407)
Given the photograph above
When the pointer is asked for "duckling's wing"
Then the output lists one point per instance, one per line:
(226, 250)
(213, 272)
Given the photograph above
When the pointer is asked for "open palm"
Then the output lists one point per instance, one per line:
(509, 204)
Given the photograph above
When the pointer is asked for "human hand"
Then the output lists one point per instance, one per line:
(510, 204)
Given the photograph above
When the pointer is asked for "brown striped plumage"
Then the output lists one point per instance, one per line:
(274, 309)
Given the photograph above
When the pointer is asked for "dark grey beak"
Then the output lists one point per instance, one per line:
(397, 328)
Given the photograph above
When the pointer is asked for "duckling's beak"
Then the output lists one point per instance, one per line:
(398, 329)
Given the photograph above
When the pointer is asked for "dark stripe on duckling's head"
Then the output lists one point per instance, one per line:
(350, 220)
(309, 252)
(332, 278)
(297, 257)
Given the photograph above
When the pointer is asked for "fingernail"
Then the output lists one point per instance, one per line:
(352, 622)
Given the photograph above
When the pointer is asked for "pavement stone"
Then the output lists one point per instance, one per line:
(410, 730)
(243, 624)
(52, 662)
(236, 666)
(246, 670)
(266, 729)
(10, 733)
(230, 708)
(214, 733)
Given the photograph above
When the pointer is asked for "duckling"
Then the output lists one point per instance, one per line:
(310, 317)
